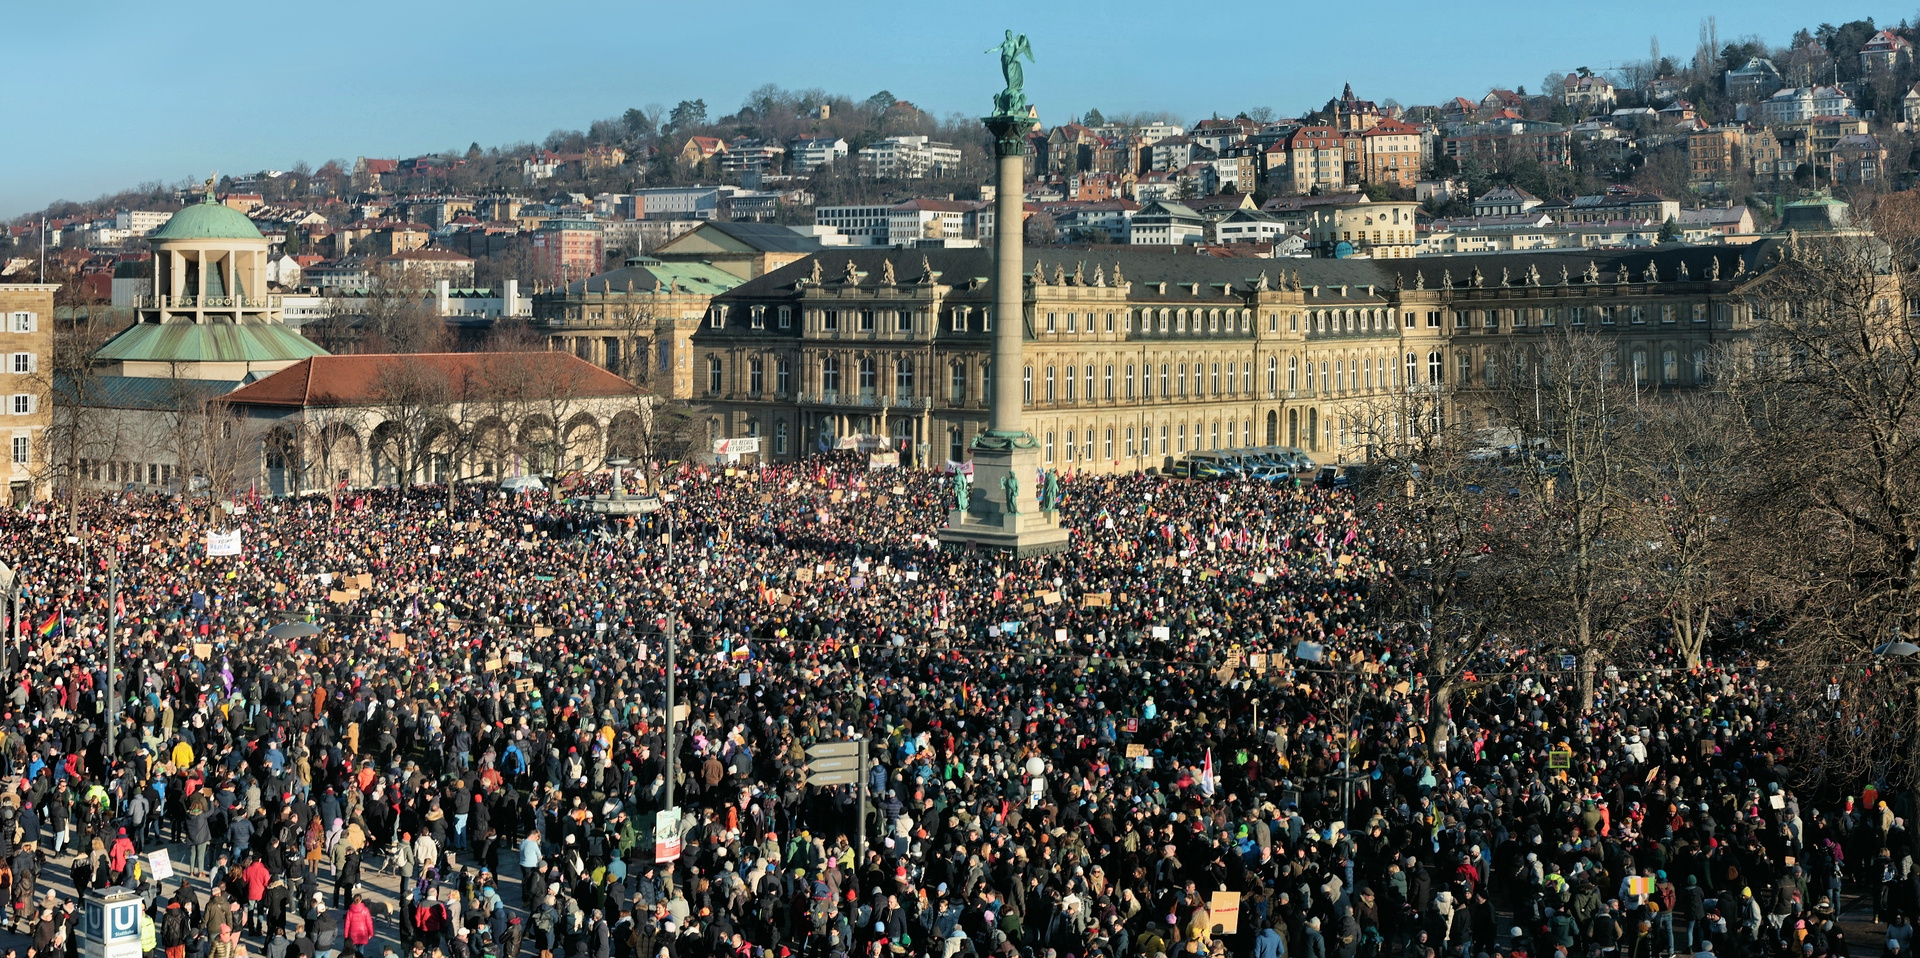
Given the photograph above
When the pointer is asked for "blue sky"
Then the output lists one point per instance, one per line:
(103, 96)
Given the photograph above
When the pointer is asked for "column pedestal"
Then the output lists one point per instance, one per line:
(988, 524)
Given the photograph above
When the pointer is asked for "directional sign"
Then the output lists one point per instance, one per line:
(835, 763)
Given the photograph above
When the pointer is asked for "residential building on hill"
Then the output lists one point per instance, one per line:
(910, 158)
(1884, 54)
(1753, 80)
(807, 154)
(1166, 223)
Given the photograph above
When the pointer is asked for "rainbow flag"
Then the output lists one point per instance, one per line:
(51, 627)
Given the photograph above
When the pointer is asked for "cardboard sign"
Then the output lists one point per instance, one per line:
(363, 581)
(459, 550)
(523, 685)
(397, 640)
(493, 665)
(542, 631)
(343, 595)
(1096, 600)
(1050, 598)
(514, 656)
(1224, 909)
(1136, 750)
(202, 650)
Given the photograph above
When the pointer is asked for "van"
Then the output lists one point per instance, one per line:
(1199, 469)
(1221, 459)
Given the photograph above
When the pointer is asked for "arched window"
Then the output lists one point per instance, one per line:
(1436, 369)
(1670, 367)
(1180, 435)
(1106, 447)
(1639, 367)
(1216, 379)
(1196, 380)
(1699, 366)
(1088, 381)
(1050, 379)
(957, 384)
(1463, 368)
(1131, 449)
(1086, 446)
(1166, 390)
(903, 379)
(1273, 377)
(1339, 376)
(1183, 379)
(1413, 369)
(756, 376)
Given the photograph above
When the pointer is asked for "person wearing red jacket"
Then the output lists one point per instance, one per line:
(359, 924)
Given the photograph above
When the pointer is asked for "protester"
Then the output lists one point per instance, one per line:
(1186, 735)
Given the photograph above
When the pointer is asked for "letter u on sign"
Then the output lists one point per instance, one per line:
(123, 920)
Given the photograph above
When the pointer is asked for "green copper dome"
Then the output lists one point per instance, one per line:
(208, 220)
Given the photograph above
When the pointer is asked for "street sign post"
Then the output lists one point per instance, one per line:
(842, 763)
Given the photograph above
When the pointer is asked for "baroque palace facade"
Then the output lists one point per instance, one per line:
(1136, 359)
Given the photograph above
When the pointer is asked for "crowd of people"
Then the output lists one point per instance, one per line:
(1116, 751)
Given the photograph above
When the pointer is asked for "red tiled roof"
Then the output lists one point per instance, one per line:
(363, 380)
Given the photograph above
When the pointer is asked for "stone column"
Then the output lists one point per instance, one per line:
(1009, 294)
(1003, 511)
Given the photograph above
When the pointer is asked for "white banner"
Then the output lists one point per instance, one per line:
(666, 835)
(745, 446)
(223, 543)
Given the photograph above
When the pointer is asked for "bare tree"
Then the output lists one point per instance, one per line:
(1835, 372)
(409, 397)
(1452, 559)
(1685, 465)
(1563, 404)
(78, 433)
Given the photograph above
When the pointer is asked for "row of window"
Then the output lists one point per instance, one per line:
(1080, 445)
(153, 474)
(1494, 320)
(1175, 380)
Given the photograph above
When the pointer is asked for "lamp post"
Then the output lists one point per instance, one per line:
(10, 583)
(672, 756)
